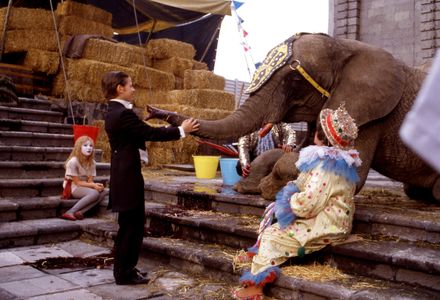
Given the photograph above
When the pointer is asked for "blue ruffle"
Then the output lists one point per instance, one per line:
(267, 276)
(337, 166)
(283, 211)
(254, 249)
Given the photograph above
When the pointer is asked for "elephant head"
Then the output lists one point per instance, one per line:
(310, 72)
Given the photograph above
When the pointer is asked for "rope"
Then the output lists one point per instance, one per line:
(62, 61)
(212, 39)
(140, 44)
(4, 29)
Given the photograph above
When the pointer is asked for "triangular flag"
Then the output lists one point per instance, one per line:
(245, 33)
(257, 65)
(240, 20)
(237, 4)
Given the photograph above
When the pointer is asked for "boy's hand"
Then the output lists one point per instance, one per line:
(190, 125)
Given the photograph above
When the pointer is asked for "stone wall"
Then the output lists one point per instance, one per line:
(409, 29)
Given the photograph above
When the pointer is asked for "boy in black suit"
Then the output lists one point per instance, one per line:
(127, 134)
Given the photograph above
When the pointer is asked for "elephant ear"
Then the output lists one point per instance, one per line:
(371, 84)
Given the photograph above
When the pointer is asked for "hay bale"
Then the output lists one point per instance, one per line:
(102, 141)
(198, 65)
(42, 61)
(21, 40)
(79, 90)
(202, 79)
(173, 65)
(212, 99)
(27, 18)
(178, 83)
(91, 71)
(139, 56)
(179, 152)
(108, 52)
(89, 12)
(195, 112)
(71, 25)
(143, 97)
(153, 79)
(167, 48)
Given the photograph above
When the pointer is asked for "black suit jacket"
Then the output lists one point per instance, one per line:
(127, 134)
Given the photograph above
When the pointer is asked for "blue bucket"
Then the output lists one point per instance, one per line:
(229, 172)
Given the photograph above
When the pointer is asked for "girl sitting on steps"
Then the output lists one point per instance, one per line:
(81, 169)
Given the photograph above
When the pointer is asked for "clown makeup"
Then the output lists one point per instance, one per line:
(87, 148)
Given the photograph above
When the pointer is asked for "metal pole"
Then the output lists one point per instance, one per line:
(2, 43)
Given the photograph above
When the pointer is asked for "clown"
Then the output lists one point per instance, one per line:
(313, 211)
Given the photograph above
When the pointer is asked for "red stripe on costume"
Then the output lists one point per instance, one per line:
(333, 132)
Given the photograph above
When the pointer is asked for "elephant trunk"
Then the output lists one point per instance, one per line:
(244, 120)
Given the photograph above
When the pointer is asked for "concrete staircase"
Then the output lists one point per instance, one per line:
(198, 225)
(34, 143)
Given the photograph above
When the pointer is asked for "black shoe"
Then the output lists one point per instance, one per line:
(136, 279)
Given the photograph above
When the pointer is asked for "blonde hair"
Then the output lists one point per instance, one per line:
(87, 162)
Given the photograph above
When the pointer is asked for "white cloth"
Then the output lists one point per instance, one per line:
(127, 104)
(421, 127)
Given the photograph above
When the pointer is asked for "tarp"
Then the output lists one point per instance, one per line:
(192, 21)
(159, 14)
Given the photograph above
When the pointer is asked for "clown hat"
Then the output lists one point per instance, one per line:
(339, 127)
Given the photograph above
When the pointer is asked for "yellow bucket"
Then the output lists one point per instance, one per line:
(206, 166)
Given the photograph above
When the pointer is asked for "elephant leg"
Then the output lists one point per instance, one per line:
(260, 167)
(424, 193)
(283, 171)
(436, 189)
(367, 143)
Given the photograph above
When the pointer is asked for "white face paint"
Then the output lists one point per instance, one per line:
(87, 148)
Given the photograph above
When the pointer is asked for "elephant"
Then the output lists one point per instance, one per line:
(261, 166)
(310, 72)
(270, 172)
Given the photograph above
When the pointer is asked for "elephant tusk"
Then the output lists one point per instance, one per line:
(265, 130)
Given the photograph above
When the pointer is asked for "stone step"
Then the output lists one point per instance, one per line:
(17, 113)
(238, 231)
(39, 104)
(208, 194)
(396, 258)
(35, 139)
(41, 169)
(213, 258)
(35, 126)
(395, 216)
(36, 187)
(400, 261)
(26, 153)
(42, 231)
(377, 212)
(16, 209)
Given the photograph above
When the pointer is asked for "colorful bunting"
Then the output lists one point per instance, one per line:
(237, 4)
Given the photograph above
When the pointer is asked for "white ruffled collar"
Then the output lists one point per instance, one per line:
(310, 154)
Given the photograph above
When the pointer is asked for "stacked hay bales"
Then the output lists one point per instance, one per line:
(199, 93)
(164, 72)
(31, 31)
(77, 18)
(101, 56)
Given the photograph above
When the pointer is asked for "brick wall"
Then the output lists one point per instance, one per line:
(409, 29)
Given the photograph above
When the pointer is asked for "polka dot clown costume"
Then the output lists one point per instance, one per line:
(316, 209)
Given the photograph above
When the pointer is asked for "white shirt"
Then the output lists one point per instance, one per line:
(129, 105)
